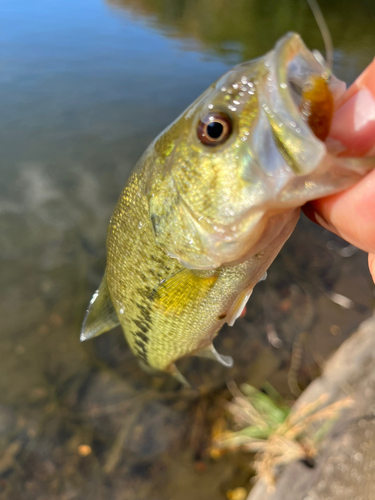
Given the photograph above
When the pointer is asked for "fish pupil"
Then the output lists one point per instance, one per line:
(214, 130)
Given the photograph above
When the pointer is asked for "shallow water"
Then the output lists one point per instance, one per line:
(84, 87)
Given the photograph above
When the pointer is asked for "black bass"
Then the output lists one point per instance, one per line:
(213, 199)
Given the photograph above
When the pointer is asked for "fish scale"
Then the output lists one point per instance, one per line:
(202, 216)
(156, 336)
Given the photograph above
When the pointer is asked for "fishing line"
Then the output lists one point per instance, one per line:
(324, 30)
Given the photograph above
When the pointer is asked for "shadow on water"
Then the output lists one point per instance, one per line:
(83, 89)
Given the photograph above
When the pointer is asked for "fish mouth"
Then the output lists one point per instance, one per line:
(291, 66)
(287, 151)
(290, 163)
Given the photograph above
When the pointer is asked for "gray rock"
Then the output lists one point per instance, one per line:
(345, 467)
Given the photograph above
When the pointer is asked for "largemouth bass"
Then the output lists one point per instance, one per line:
(213, 199)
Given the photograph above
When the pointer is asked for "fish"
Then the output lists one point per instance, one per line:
(213, 199)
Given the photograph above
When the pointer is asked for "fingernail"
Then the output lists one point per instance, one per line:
(324, 223)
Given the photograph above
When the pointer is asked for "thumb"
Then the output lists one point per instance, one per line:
(371, 265)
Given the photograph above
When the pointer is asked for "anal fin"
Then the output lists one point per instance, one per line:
(211, 353)
(172, 370)
(177, 375)
(101, 315)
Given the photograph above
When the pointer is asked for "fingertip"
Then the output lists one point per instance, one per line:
(371, 265)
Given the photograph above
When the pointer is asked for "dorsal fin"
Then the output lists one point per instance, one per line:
(101, 315)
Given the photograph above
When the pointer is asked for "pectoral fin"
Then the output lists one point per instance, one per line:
(183, 289)
(211, 353)
(239, 306)
(101, 315)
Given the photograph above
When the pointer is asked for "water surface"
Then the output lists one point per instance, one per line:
(84, 87)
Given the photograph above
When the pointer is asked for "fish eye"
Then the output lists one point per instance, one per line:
(214, 129)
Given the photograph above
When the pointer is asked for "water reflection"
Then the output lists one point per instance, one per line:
(241, 29)
(82, 92)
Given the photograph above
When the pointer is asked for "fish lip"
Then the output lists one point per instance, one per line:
(231, 241)
(221, 240)
(288, 50)
(284, 111)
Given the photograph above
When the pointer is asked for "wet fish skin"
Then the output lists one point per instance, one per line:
(166, 310)
(196, 227)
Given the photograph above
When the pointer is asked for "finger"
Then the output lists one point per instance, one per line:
(350, 214)
(353, 123)
(371, 265)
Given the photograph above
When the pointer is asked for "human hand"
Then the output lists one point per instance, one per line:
(351, 214)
